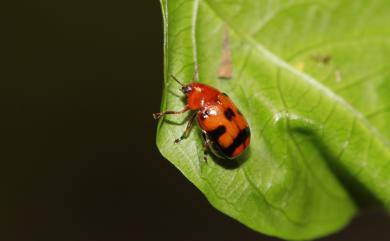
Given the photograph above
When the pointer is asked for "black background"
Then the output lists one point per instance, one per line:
(79, 82)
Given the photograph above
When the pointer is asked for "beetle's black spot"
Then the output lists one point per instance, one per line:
(216, 133)
(229, 114)
(240, 139)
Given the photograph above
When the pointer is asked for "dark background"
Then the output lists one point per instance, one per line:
(79, 82)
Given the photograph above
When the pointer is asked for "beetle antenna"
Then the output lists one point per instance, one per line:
(173, 77)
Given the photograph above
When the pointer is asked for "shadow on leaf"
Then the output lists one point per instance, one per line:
(362, 196)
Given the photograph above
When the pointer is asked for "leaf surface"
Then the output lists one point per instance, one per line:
(313, 80)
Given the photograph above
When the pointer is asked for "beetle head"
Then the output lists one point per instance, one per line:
(186, 89)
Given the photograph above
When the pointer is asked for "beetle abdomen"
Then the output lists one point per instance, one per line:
(225, 127)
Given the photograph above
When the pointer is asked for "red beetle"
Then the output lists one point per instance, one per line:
(224, 129)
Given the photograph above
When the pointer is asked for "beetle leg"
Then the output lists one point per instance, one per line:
(169, 112)
(206, 146)
(188, 128)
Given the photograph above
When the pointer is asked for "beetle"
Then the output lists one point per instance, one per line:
(225, 130)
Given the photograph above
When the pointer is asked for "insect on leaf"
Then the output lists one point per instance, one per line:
(312, 78)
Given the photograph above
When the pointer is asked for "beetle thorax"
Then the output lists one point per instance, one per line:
(201, 95)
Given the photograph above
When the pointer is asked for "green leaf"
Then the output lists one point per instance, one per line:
(313, 80)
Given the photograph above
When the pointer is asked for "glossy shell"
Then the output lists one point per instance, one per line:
(224, 127)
